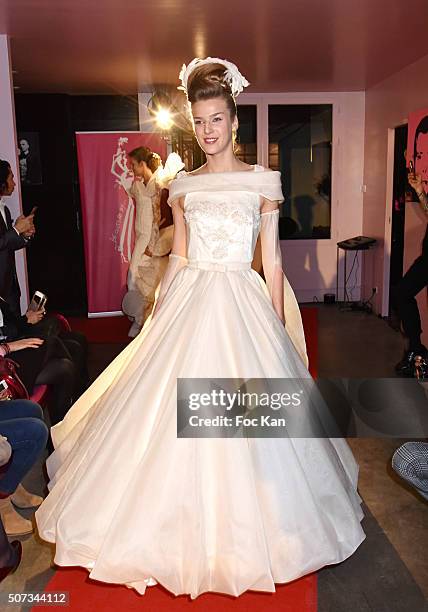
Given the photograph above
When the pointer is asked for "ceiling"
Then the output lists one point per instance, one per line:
(124, 46)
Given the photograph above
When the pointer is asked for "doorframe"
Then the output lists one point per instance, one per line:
(388, 218)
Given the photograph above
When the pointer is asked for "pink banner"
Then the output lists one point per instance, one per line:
(108, 212)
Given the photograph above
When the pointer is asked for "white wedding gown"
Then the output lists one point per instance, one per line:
(136, 505)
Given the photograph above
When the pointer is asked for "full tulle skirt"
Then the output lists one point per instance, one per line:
(136, 505)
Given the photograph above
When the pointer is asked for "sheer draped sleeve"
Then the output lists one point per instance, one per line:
(178, 256)
(272, 259)
(281, 293)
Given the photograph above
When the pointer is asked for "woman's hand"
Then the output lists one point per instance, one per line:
(34, 316)
(24, 224)
(415, 181)
(18, 345)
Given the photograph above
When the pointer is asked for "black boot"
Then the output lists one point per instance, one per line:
(406, 366)
(420, 368)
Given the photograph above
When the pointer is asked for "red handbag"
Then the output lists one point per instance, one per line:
(15, 388)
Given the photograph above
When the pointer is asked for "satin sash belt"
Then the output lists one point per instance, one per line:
(219, 267)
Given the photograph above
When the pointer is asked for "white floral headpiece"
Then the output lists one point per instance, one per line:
(232, 76)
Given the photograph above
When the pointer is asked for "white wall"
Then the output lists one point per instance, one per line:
(310, 265)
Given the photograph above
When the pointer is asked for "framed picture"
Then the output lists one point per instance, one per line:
(30, 168)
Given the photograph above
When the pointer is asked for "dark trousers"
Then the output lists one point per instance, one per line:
(13, 298)
(60, 374)
(7, 554)
(77, 346)
(50, 364)
(21, 422)
(415, 279)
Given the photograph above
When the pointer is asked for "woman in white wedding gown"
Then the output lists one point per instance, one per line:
(136, 505)
(152, 244)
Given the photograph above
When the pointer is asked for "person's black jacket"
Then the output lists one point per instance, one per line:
(13, 327)
(10, 242)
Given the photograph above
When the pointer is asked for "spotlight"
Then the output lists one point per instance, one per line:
(165, 113)
(164, 119)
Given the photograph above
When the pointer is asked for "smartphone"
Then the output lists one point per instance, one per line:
(411, 167)
(38, 301)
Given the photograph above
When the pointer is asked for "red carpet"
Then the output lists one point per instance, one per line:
(86, 595)
(115, 329)
(103, 329)
(310, 324)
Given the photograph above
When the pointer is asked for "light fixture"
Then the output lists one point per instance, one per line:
(170, 116)
(165, 113)
(163, 119)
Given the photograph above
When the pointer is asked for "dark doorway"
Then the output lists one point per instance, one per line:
(400, 187)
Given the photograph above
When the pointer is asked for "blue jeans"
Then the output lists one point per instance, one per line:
(21, 422)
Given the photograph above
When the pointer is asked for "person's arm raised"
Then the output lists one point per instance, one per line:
(415, 181)
(15, 238)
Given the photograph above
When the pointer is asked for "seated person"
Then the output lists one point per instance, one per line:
(10, 553)
(21, 422)
(44, 362)
(35, 324)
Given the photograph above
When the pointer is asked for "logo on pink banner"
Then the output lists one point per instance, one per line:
(108, 211)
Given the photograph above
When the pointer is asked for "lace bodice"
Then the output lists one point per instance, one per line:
(222, 212)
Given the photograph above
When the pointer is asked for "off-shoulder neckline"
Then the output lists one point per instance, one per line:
(205, 174)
